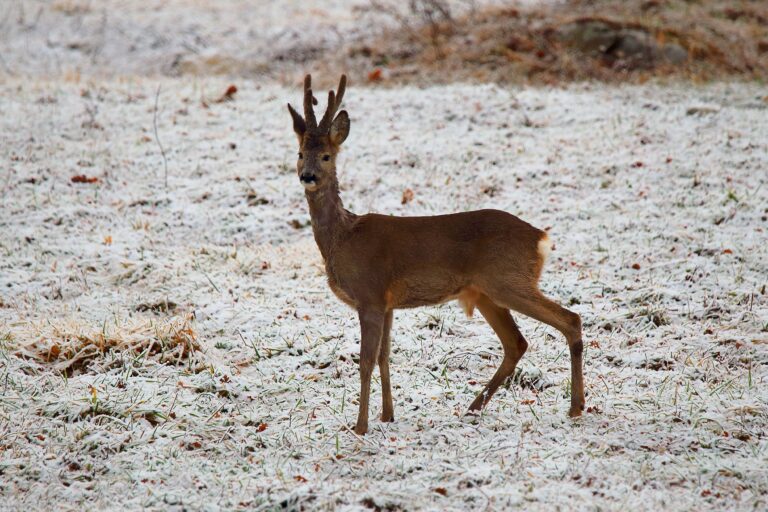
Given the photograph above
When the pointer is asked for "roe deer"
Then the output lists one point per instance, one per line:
(487, 259)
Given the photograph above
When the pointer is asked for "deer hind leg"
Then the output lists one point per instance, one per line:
(535, 305)
(388, 409)
(511, 339)
(371, 329)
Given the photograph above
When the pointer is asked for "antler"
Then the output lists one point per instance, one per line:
(334, 102)
(309, 123)
(309, 100)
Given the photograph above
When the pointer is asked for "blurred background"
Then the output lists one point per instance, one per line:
(411, 41)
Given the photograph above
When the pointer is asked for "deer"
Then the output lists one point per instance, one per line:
(488, 260)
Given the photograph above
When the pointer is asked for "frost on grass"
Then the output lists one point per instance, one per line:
(658, 216)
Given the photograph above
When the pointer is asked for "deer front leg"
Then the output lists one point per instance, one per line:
(388, 408)
(371, 329)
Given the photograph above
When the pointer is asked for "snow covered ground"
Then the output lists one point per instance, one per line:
(656, 198)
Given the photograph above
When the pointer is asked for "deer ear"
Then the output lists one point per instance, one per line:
(340, 128)
(299, 126)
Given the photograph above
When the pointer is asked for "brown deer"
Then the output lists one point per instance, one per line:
(487, 259)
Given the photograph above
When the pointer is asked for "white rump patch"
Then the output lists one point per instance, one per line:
(545, 247)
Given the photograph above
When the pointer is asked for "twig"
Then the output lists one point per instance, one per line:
(157, 138)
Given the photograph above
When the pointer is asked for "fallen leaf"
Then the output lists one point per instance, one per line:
(82, 178)
(636, 266)
(727, 251)
(299, 478)
(262, 427)
(528, 402)
(108, 240)
(228, 95)
(407, 196)
(441, 490)
(375, 75)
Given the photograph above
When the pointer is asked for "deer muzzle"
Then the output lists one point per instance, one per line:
(309, 180)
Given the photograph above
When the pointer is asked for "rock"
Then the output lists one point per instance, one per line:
(633, 45)
(589, 36)
(632, 48)
(675, 54)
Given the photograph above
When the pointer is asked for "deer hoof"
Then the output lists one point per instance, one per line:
(472, 416)
(387, 418)
(575, 411)
(361, 429)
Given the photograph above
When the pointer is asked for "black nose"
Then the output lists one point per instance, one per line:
(307, 178)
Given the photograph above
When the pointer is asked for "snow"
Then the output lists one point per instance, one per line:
(676, 348)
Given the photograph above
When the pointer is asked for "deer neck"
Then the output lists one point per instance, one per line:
(329, 218)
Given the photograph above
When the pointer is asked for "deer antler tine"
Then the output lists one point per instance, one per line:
(309, 100)
(334, 102)
(308, 87)
(340, 91)
(330, 109)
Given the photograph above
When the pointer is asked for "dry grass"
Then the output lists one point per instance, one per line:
(720, 40)
(72, 346)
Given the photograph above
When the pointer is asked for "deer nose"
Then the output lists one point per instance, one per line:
(307, 178)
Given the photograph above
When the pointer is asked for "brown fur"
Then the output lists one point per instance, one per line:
(487, 259)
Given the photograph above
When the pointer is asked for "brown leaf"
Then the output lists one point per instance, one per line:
(407, 196)
(228, 95)
(441, 490)
(636, 266)
(375, 75)
(299, 478)
(82, 178)
(262, 427)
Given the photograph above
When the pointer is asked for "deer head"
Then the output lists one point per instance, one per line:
(319, 143)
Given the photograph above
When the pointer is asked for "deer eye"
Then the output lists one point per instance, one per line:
(301, 155)
(326, 158)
